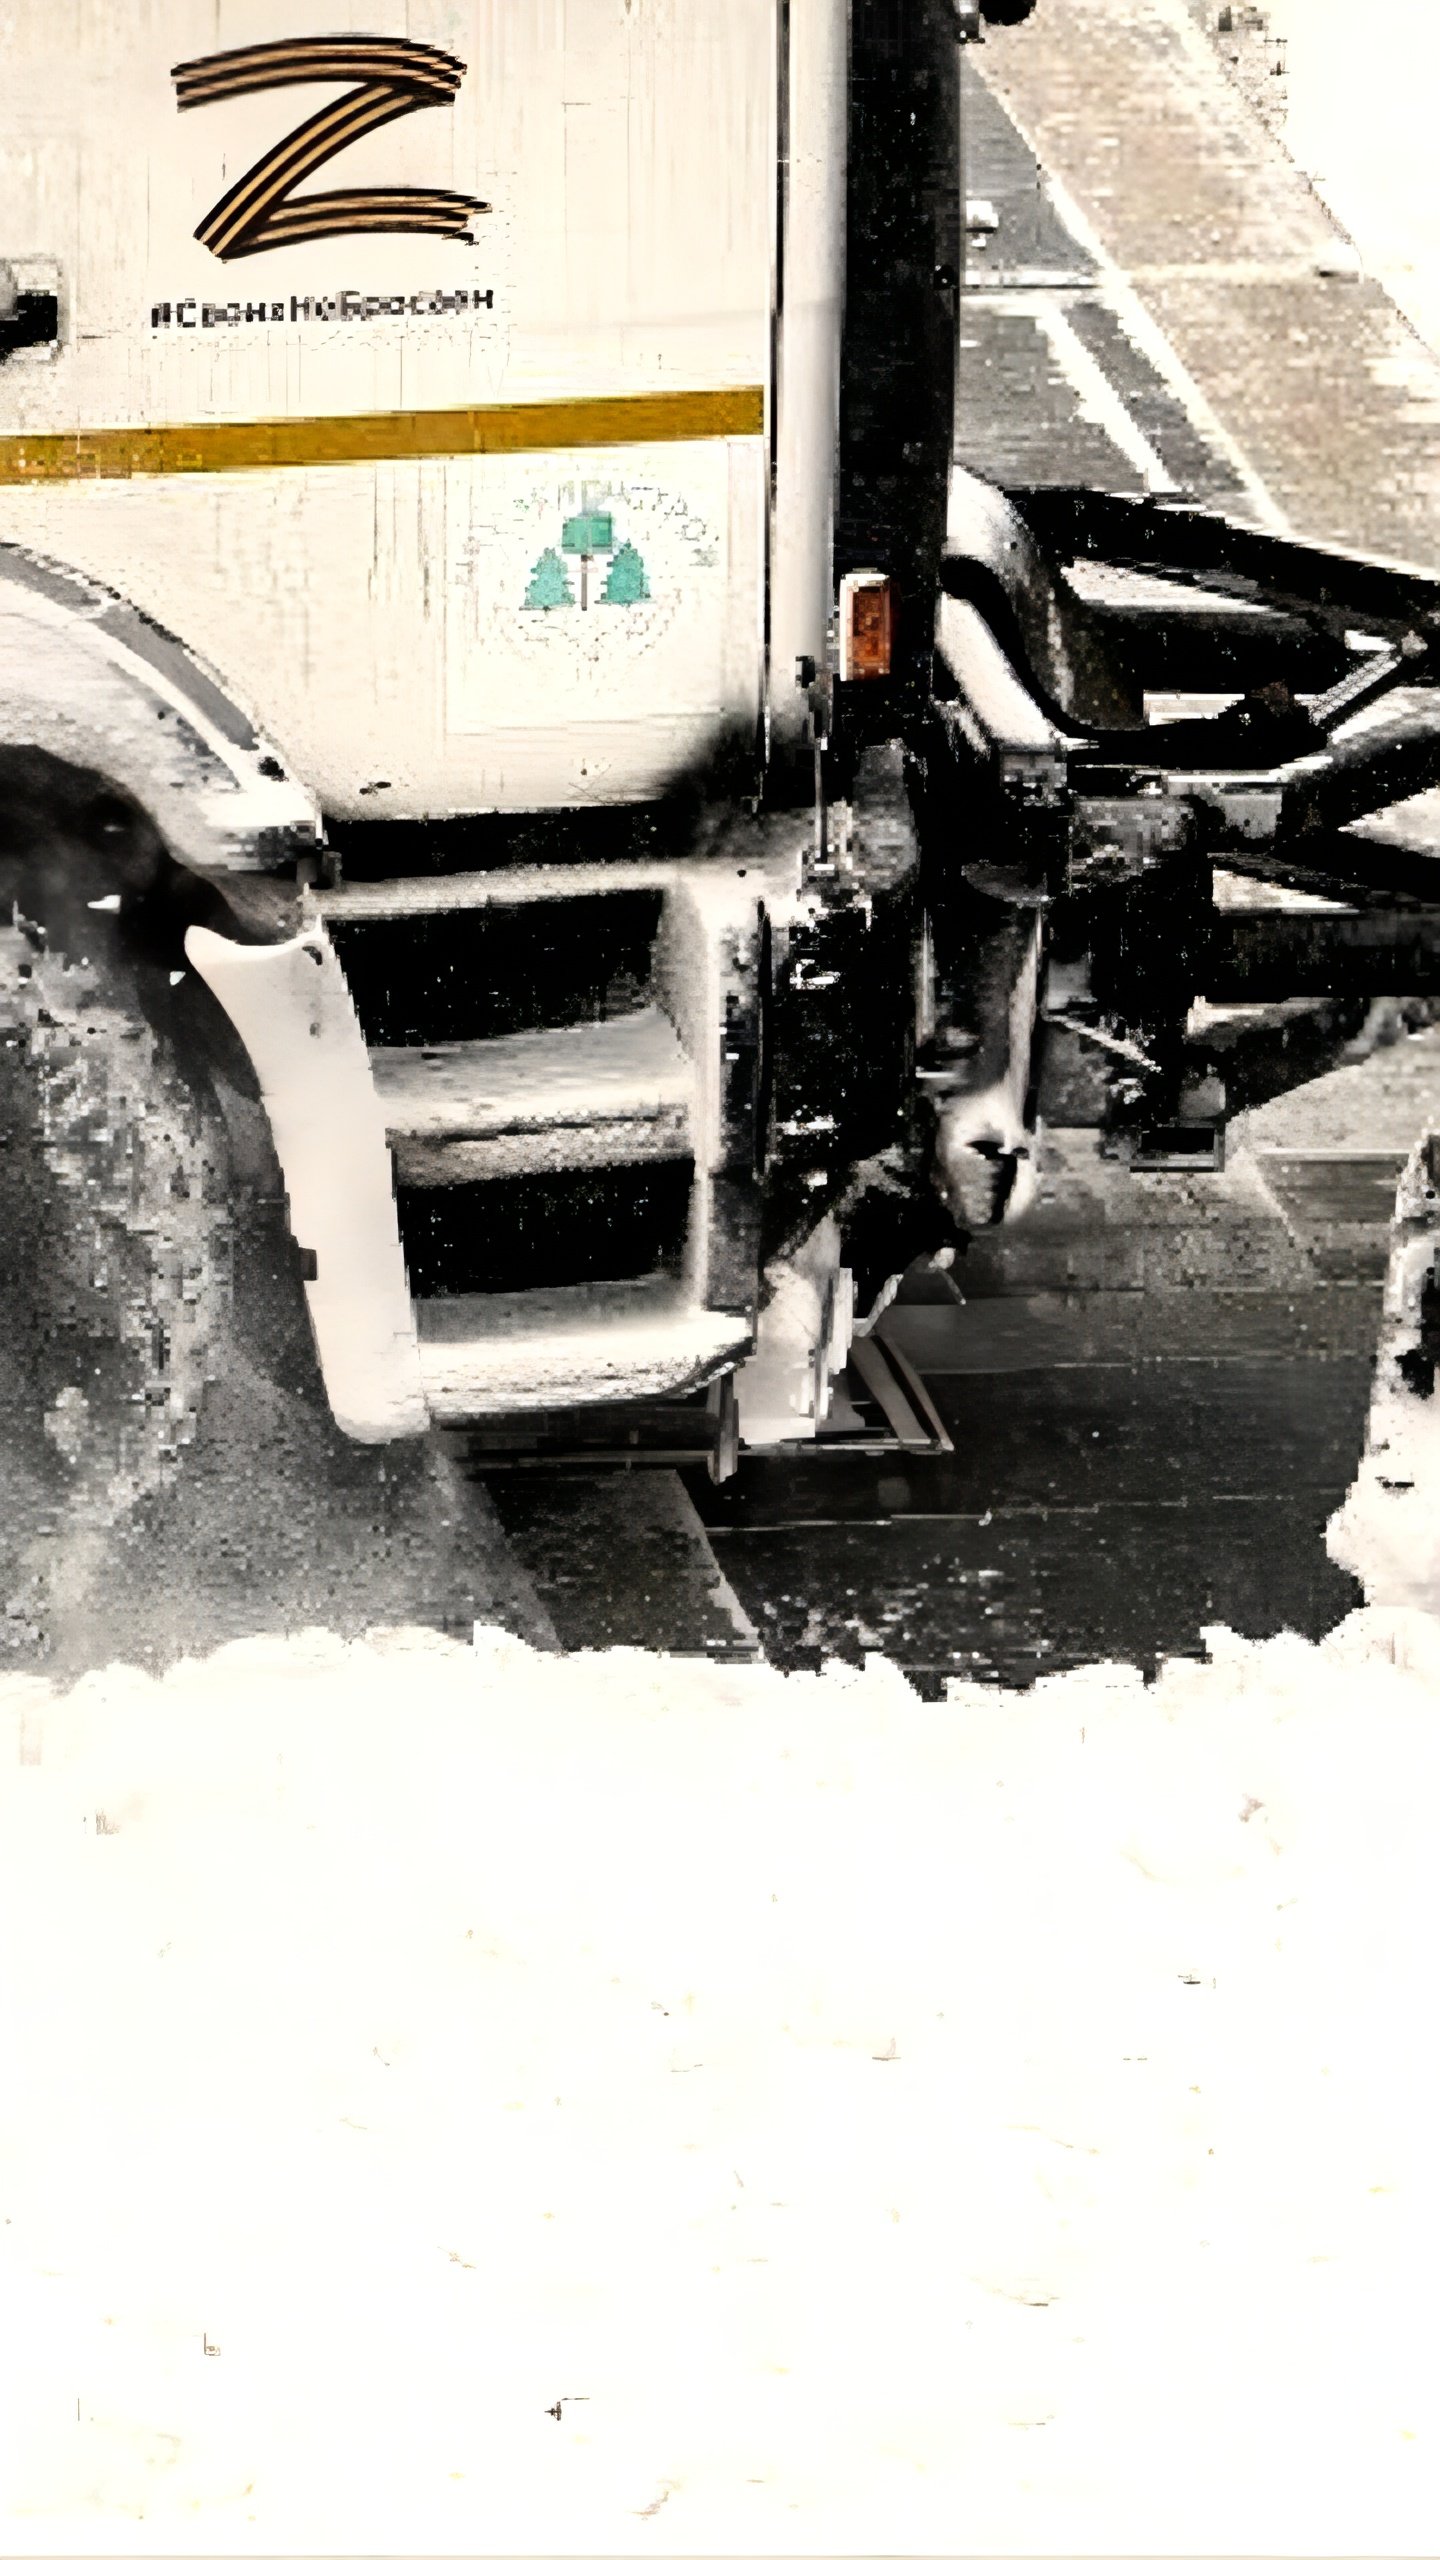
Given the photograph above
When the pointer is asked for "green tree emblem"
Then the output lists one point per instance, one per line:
(587, 537)
(549, 584)
(626, 582)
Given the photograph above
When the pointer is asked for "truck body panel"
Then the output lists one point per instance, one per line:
(472, 518)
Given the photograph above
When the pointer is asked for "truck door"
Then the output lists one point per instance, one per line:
(417, 368)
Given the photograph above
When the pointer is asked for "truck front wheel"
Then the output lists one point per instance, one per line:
(116, 1204)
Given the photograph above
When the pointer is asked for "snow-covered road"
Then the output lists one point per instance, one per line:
(994, 2126)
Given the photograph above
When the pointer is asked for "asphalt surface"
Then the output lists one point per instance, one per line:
(1157, 1386)
(1205, 226)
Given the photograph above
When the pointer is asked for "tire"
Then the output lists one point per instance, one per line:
(171, 1475)
(117, 1209)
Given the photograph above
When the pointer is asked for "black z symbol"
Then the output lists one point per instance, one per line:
(392, 78)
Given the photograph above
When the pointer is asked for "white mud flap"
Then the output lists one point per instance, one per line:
(292, 1009)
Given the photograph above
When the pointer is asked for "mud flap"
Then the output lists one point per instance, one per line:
(292, 1009)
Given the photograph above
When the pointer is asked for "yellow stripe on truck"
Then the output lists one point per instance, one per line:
(390, 435)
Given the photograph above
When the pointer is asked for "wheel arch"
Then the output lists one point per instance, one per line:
(87, 678)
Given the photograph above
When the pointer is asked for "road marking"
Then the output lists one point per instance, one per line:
(1099, 400)
(1287, 271)
(1149, 340)
(982, 287)
(1075, 282)
(394, 435)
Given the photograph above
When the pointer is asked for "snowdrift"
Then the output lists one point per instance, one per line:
(473, 2100)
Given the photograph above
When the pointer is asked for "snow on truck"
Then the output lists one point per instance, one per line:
(518, 744)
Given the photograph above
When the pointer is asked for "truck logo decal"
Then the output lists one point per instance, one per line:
(587, 538)
(578, 580)
(391, 77)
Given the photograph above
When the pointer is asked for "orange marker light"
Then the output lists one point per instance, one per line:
(866, 618)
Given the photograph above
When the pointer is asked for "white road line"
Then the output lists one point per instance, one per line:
(1081, 285)
(1149, 340)
(1230, 270)
(1100, 402)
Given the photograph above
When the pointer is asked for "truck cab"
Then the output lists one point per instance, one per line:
(476, 479)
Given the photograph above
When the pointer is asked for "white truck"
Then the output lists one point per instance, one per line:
(500, 691)
(419, 500)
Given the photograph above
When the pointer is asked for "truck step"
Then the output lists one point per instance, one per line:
(616, 1092)
(588, 1225)
(494, 1353)
(473, 968)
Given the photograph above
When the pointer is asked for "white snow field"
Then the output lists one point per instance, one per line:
(1004, 2125)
